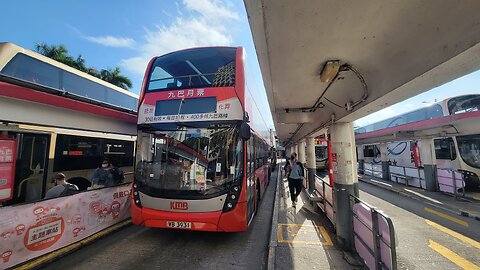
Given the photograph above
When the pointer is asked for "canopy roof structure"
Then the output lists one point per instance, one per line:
(384, 52)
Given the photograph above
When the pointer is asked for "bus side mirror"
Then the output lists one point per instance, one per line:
(245, 131)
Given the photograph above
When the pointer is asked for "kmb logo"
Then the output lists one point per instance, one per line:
(179, 205)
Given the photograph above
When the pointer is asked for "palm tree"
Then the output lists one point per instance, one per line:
(60, 54)
(114, 77)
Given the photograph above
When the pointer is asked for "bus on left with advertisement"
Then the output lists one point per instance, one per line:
(53, 119)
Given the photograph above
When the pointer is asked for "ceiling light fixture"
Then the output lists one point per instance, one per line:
(330, 70)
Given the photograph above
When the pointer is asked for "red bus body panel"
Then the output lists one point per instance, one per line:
(228, 98)
(232, 221)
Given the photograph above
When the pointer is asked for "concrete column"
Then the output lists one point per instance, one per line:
(295, 148)
(384, 159)
(301, 151)
(360, 158)
(292, 149)
(346, 180)
(311, 163)
(429, 162)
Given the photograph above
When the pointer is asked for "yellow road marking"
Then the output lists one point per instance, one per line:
(452, 256)
(327, 240)
(454, 234)
(456, 220)
(50, 256)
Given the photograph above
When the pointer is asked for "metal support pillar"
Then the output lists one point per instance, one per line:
(346, 180)
(429, 162)
(311, 163)
(384, 158)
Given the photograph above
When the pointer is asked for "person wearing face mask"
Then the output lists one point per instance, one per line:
(295, 172)
(102, 176)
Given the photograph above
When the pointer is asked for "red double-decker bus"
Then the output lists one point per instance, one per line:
(203, 161)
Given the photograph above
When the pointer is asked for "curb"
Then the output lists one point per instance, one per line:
(273, 233)
(458, 212)
(43, 260)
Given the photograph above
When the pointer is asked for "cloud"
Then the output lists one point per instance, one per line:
(204, 23)
(211, 9)
(110, 41)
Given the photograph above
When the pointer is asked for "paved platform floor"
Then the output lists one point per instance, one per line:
(428, 236)
(304, 239)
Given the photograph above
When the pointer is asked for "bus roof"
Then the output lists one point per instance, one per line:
(8, 51)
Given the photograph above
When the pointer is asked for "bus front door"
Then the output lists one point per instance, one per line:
(31, 167)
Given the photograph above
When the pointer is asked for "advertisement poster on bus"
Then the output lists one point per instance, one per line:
(190, 105)
(7, 168)
(31, 230)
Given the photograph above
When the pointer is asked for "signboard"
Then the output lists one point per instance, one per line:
(31, 230)
(227, 106)
(7, 168)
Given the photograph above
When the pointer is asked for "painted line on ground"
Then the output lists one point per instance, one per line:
(452, 256)
(327, 240)
(461, 237)
(388, 185)
(411, 196)
(70, 248)
(423, 196)
(445, 216)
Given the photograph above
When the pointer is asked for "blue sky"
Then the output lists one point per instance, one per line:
(129, 33)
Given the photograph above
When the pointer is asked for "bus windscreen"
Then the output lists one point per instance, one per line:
(191, 162)
(194, 68)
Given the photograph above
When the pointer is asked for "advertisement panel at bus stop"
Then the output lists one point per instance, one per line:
(7, 168)
(31, 230)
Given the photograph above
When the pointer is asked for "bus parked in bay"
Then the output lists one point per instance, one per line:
(453, 124)
(203, 152)
(54, 118)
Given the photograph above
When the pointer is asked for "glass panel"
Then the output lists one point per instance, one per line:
(194, 162)
(203, 67)
(188, 106)
(321, 153)
(434, 111)
(29, 69)
(463, 104)
(83, 87)
(469, 148)
(445, 149)
(80, 153)
(416, 116)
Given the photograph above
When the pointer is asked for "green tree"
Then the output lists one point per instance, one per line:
(60, 54)
(114, 77)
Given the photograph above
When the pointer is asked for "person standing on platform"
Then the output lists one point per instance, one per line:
(295, 172)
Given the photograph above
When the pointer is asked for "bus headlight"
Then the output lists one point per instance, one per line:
(232, 198)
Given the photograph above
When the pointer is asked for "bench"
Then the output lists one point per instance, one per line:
(405, 177)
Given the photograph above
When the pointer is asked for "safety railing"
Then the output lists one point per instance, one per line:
(408, 176)
(324, 190)
(374, 236)
(451, 181)
(371, 169)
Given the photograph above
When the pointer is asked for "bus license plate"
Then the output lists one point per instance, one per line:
(178, 224)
